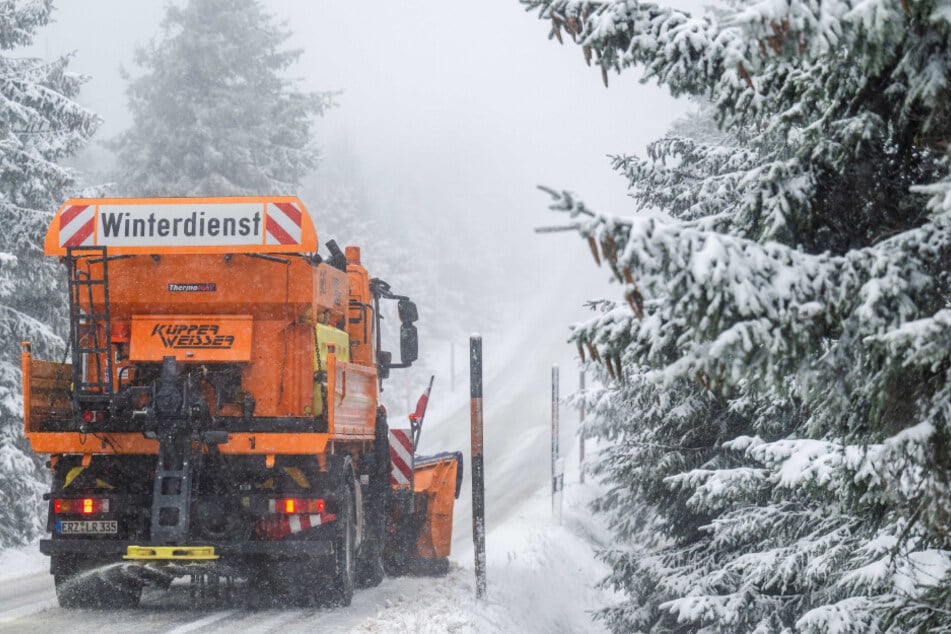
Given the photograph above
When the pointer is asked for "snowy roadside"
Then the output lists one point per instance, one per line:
(22, 561)
(541, 577)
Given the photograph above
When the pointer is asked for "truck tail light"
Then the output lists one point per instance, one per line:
(297, 506)
(80, 506)
(94, 416)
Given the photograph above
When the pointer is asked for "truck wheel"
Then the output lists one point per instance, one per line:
(69, 592)
(79, 584)
(344, 543)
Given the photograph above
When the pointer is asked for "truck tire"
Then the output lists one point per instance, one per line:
(79, 584)
(370, 557)
(345, 537)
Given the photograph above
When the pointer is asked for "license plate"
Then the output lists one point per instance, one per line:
(87, 527)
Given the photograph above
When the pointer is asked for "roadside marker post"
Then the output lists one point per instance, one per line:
(478, 467)
(557, 464)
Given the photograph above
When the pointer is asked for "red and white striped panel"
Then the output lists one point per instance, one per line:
(281, 526)
(298, 523)
(401, 457)
(77, 225)
(283, 224)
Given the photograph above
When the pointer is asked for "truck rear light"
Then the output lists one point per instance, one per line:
(297, 506)
(81, 506)
(94, 416)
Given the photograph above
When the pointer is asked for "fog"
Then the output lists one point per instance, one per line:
(467, 106)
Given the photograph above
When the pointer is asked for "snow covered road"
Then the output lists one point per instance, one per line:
(176, 612)
(540, 580)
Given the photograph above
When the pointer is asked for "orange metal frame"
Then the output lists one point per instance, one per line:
(271, 306)
(437, 481)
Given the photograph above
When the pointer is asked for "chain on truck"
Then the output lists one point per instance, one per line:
(219, 418)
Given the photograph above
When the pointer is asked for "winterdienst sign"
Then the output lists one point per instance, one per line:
(184, 225)
(123, 225)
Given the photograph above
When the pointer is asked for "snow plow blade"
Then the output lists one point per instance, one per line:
(419, 534)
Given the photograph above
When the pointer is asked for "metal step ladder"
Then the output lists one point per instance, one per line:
(90, 327)
(171, 497)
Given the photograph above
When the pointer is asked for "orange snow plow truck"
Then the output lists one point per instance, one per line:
(219, 418)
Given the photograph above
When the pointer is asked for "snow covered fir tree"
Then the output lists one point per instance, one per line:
(777, 406)
(213, 113)
(40, 126)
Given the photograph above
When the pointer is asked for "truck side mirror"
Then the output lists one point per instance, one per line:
(409, 343)
(407, 311)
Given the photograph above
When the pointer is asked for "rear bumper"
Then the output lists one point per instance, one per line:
(116, 549)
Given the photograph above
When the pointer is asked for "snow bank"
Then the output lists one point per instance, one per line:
(541, 577)
(19, 562)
